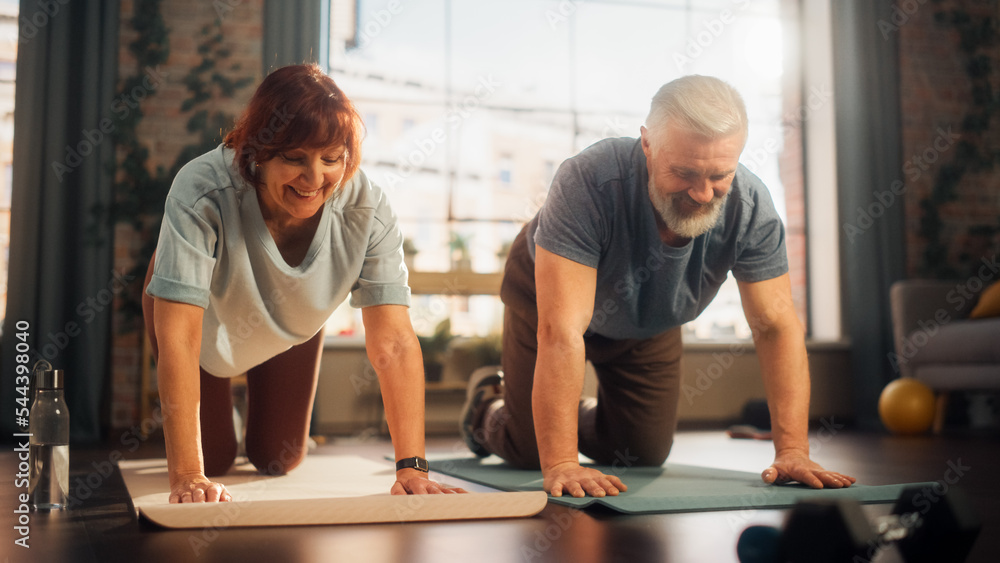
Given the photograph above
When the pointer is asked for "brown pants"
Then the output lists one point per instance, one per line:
(635, 415)
(280, 394)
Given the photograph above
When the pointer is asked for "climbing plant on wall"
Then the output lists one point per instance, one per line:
(977, 151)
(140, 192)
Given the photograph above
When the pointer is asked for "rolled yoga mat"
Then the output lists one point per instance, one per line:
(671, 488)
(322, 490)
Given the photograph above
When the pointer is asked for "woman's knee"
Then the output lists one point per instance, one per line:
(218, 460)
(272, 458)
(218, 433)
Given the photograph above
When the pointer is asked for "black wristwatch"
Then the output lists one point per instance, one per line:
(418, 463)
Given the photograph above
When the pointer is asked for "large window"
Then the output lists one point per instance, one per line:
(472, 105)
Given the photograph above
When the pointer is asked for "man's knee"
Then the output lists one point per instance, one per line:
(647, 457)
(276, 459)
(636, 454)
(648, 454)
(524, 460)
(512, 440)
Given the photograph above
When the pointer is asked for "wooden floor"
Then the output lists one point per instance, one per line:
(102, 528)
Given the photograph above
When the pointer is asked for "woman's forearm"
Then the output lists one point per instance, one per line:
(401, 379)
(395, 354)
(179, 404)
(178, 331)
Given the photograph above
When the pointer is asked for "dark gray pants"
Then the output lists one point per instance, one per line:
(635, 415)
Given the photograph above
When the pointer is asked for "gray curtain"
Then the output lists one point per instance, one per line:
(292, 33)
(60, 277)
(866, 90)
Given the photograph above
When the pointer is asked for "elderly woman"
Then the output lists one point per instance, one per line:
(262, 238)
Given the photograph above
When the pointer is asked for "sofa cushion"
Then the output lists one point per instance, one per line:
(958, 342)
(988, 304)
(955, 377)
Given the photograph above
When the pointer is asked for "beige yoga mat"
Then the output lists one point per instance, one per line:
(323, 490)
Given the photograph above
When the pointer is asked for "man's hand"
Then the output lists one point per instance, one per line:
(579, 481)
(198, 488)
(413, 482)
(796, 466)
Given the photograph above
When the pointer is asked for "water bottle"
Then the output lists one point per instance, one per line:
(48, 455)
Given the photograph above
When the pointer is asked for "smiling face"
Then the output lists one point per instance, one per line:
(296, 183)
(689, 177)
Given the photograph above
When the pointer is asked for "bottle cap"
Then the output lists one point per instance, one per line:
(51, 379)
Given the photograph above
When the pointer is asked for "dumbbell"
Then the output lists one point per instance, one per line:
(924, 526)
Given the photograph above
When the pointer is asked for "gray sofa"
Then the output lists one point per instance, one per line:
(936, 342)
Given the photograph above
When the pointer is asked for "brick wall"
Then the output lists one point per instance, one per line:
(790, 164)
(793, 179)
(936, 96)
(163, 131)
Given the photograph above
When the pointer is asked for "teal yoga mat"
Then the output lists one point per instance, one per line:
(671, 488)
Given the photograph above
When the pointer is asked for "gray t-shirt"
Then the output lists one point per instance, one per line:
(598, 213)
(215, 252)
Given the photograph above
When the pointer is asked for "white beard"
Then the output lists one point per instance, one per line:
(684, 223)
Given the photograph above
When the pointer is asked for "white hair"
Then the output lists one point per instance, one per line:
(701, 104)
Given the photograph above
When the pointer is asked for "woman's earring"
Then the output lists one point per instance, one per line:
(253, 168)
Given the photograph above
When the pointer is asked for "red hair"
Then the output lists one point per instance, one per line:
(296, 106)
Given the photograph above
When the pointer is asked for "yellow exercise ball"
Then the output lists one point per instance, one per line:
(906, 406)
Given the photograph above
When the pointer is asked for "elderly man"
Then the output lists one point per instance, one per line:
(635, 239)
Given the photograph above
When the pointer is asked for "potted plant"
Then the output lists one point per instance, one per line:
(461, 258)
(409, 253)
(503, 253)
(433, 348)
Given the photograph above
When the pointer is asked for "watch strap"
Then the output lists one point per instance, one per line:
(415, 462)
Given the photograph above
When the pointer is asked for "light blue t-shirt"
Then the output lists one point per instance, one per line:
(598, 213)
(215, 251)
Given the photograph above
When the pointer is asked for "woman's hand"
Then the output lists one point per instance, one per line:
(198, 488)
(413, 482)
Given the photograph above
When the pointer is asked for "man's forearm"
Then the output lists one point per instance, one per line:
(785, 370)
(555, 399)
